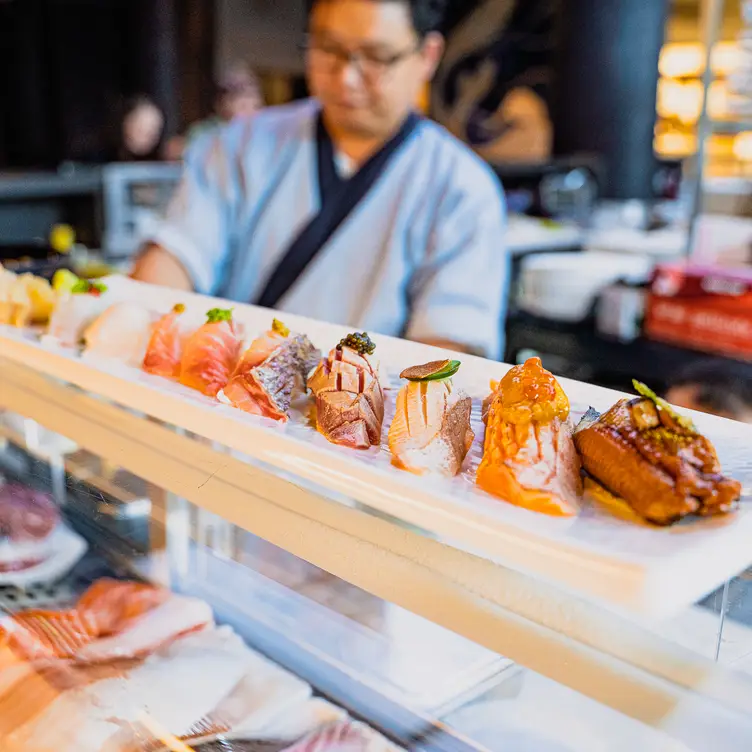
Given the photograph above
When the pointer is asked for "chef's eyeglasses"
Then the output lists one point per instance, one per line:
(372, 68)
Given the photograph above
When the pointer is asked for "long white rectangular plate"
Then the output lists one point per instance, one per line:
(655, 572)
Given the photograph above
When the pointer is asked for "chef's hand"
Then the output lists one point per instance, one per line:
(157, 266)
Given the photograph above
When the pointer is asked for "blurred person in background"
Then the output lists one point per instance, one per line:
(238, 94)
(710, 386)
(138, 131)
(348, 207)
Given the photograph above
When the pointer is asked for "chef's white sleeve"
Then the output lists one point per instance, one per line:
(459, 292)
(196, 229)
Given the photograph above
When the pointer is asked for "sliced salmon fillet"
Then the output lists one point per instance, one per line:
(529, 458)
(431, 428)
(39, 635)
(165, 348)
(109, 605)
(210, 357)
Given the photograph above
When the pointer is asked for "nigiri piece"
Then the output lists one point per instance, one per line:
(211, 353)
(176, 617)
(165, 348)
(431, 428)
(349, 397)
(270, 372)
(74, 311)
(121, 333)
(529, 458)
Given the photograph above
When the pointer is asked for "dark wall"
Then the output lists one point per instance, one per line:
(68, 63)
(604, 95)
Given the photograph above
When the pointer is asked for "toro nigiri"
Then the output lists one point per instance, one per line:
(349, 398)
(165, 348)
(431, 428)
(122, 333)
(272, 369)
(211, 353)
(529, 457)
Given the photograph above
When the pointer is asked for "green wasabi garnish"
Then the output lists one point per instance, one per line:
(216, 315)
(360, 342)
(681, 420)
(85, 287)
(437, 370)
(279, 328)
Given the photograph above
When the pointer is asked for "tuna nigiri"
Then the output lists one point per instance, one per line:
(211, 353)
(529, 457)
(431, 428)
(349, 398)
(271, 371)
(165, 348)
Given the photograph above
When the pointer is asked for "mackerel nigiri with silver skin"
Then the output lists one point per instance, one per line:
(431, 430)
(270, 372)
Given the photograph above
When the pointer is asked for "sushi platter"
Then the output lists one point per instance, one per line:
(618, 499)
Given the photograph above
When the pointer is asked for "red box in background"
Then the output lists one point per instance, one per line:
(702, 307)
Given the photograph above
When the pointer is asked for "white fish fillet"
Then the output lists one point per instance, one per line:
(72, 314)
(121, 333)
(176, 616)
(176, 687)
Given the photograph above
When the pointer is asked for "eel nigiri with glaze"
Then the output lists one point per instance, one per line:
(349, 397)
(529, 457)
(211, 353)
(270, 372)
(431, 430)
(165, 348)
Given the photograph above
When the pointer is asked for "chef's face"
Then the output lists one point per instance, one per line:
(366, 64)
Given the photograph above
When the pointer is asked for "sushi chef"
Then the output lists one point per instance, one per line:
(348, 207)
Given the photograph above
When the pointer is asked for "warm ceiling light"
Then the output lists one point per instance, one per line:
(682, 101)
(675, 144)
(743, 146)
(687, 59)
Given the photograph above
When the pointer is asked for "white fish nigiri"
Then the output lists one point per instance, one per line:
(122, 333)
(72, 315)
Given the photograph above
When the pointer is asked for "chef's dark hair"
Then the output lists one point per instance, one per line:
(427, 15)
(721, 387)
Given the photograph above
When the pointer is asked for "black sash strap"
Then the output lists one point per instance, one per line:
(338, 199)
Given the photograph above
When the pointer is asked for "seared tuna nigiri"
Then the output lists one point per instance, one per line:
(431, 428)
(211, 353)
(165, 347)
(529, 457)
(349, 398)
(272, 369)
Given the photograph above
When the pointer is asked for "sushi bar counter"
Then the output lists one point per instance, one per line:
(221, 530)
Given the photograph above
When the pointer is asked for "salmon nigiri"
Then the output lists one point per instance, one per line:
(165, 348)
(529, 457)
(211, 353)
(270, 372)
(431, 431)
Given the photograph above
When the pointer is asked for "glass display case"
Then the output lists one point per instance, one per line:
(169, 591)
